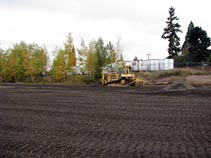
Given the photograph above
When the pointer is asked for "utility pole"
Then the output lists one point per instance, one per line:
(148, 56)
(148, 64)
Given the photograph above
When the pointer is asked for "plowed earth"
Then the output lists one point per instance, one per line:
(55, 121)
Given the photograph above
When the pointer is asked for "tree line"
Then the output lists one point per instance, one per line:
(195, 46)
(96, 54)
(27, 61)
(30, 62)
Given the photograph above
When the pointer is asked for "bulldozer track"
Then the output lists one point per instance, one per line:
(84, 121)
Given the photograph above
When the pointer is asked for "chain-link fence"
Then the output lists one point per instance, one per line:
(203, 66)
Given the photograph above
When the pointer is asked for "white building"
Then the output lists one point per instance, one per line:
(153, 65)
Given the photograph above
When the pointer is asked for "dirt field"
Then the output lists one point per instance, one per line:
(86, 121)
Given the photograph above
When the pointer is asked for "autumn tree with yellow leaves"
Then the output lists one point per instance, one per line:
(23, 61)
(92, 58)
(64, 61)
(59, 67)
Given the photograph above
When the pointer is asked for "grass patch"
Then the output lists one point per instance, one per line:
(174, 72)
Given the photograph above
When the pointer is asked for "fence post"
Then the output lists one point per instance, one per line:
(187, 64)
(202, 65)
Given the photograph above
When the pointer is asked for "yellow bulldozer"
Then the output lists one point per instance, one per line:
(119, 74)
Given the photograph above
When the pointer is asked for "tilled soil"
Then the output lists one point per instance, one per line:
(54, 121)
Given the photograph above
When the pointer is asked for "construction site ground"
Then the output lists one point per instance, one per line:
(83, 121)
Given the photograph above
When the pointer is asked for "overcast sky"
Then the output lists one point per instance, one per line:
(139, 23)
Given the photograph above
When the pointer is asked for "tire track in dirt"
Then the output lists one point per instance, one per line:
(86, 121)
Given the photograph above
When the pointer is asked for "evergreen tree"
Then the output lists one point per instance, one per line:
(170, 33)
(186, 44)
(209, 59)
(199, 42)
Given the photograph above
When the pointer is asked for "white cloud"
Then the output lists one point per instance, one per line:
(139, 23)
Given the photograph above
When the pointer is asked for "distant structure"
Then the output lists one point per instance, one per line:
(152, 65)
(148, 56)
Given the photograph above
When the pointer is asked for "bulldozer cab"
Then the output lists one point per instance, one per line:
(124, 70)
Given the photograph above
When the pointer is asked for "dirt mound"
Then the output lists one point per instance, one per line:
(178, 86)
